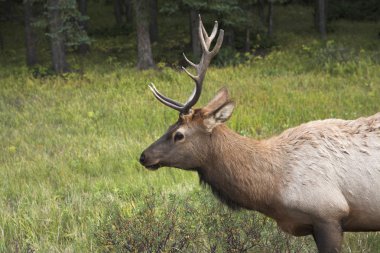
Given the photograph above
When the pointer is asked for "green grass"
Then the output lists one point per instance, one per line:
(70, 177)
(70, 144)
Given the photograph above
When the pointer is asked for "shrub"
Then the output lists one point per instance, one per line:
(149, 227)
(195, 223)
(335, 58)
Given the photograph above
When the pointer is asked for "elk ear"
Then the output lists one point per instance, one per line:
(219, 116)
(220, 99)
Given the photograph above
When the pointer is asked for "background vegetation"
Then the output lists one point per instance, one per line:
(70, 177)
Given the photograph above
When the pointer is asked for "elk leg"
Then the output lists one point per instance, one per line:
(328, 237)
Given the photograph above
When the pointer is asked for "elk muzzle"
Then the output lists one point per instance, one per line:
(147, 162)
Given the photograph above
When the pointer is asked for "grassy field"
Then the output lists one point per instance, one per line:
(70, 177)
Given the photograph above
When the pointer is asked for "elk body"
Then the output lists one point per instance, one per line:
(321, 178)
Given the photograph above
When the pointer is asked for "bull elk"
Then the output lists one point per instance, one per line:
(321, 178)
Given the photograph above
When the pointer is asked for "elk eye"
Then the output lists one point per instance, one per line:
(178, 136)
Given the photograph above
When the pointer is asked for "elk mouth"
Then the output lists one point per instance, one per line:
(149, 164)
(153, 166)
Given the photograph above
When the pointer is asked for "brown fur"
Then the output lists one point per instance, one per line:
(230, 175)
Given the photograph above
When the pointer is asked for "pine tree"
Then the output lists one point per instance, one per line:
(30, 34)
(58, 52)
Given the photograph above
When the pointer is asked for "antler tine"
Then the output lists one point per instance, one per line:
(202, 30)
(218, 43)
(191, 96)
(195, 78)
(152, 87)
(188, 61)
(201, 69)
(165, 100)
(214, 30)
(205, 37)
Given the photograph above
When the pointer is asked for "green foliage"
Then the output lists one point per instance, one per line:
(195, 4)
(39, 71)
(354, 10)
(229, 57)
(229, 13)
(176, 223)
(337, 58)
(72, 29)
(156, 224)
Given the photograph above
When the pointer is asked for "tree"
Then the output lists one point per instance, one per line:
(66, 27)
(30, 34)
(153, 25)
(233, 16)
(194, 25)
(1, 42)
(144, 50)
(320, 18)
(260, 12)
(129, 11)
(82, 6)
(8, 10)
(270, 18)
(6, 14)
(192, 8)
(118, 11)
(55, 20)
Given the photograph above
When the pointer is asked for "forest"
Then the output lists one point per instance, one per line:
(76, 113)
(154, 28)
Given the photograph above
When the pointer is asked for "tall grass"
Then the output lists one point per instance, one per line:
(70, 144)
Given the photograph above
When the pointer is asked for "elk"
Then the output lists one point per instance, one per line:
(321, 178)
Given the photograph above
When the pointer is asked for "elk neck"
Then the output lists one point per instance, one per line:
(242, 172)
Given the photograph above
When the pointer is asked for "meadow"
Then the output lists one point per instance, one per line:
(70, 176)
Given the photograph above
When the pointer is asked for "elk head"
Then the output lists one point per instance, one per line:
(187, 142)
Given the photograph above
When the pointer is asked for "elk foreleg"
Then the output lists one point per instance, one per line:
(328, 237)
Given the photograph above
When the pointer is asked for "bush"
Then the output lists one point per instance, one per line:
(335, 58)
(149, 227)
(196, 223)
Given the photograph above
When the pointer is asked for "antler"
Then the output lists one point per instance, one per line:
(201, 69)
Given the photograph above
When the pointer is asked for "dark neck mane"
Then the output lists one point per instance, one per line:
(217, 193)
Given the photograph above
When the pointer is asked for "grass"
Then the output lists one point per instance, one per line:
(70, 177)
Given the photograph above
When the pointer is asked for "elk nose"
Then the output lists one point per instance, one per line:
(142, 158)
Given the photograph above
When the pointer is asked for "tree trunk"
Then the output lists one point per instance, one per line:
(144, 50)
(153, 26)
(247, 44)
(194, 29)
(270, 18)
(260, 12)
(320, 18)
(57, 39)
(82, 6)
(229, 37)
(117, 9)
(8, 9)
(129, 10)
(30, 35)
(1, 42)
